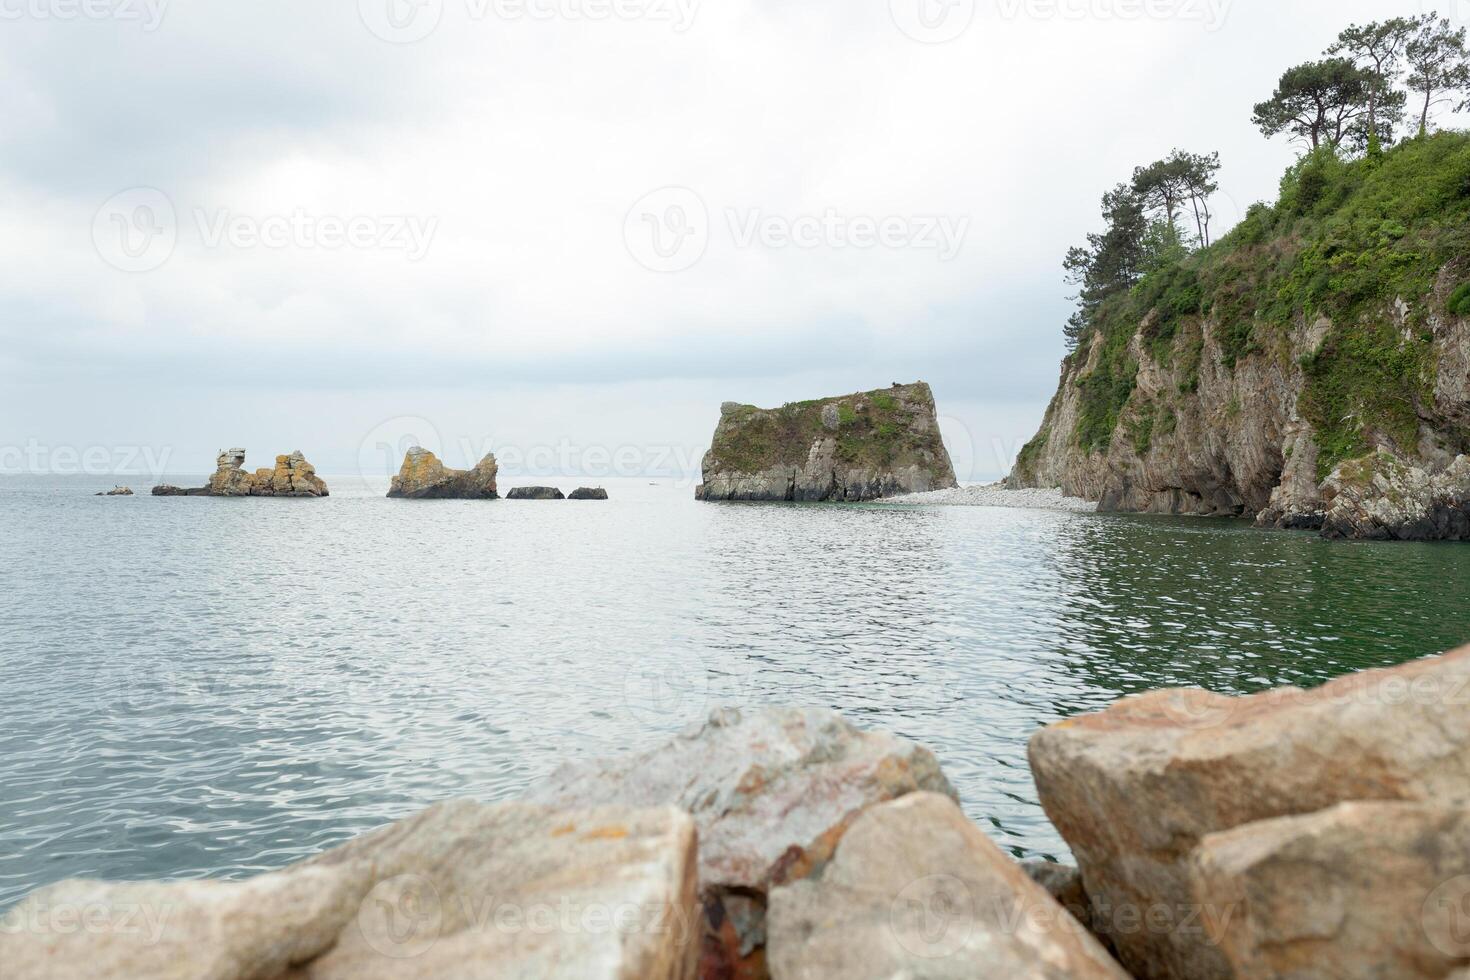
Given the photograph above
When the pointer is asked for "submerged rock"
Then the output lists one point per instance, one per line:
(117, 492)
(916, 890)
(1135, 789)
(536, 493)
(772, 792)
(424, 477)
(462, 890)
(292, 476)
(588, 493)
(857, 447)
(1381, 497)
(1360, 891)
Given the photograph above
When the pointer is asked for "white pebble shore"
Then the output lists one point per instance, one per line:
(997, 495)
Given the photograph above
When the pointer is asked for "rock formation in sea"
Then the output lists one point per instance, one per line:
(1311, 370)
(535, 493)
(857, 447)
(116, 492)
(424, 477)
(292, 476)
(1223, 822)
(588, 493)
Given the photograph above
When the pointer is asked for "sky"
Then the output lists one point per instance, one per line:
(567, 230)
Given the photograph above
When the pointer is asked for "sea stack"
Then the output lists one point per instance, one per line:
(424, 477)
(856, 447)
(292, 476)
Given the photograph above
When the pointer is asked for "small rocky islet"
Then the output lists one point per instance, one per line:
(1321, 835)
(856, 447)
(292, 476)
(424, 477)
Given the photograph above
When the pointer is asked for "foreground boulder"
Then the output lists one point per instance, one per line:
(536, 493)
(461, 890)
(1383, 498)
(1135, 789)
(772, 793)
(856, 447)
(916, 890)
(1357, 892)
(424, 477)
(588, 493)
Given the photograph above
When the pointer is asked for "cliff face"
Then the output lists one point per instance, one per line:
(1199, 436)
(1311, 371)
(857, 447)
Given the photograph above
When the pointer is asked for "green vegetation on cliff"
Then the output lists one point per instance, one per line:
(1347, 240)
(1350, 255)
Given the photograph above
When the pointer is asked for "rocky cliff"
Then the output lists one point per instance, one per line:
(1311, 370)
(856, 447)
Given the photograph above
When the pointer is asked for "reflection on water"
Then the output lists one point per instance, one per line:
(199, 687)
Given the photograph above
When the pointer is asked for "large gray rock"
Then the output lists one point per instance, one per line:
(536, 493)
(462, 890)
(1135, 788)
(772, 792)
(423, 477)
(1381, 497)
(588, 493)
(916, 890)
(856, 447)
(1361, 891)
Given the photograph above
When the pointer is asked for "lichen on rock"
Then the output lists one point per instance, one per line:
(292, 476)
(856, 447)
(424, 477)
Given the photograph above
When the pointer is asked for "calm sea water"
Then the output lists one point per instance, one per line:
(203, 687)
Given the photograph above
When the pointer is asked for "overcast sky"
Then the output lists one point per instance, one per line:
(555, 227)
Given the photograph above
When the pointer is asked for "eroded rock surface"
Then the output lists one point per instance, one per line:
(588, 493)
(1383, 498)
(1136, 788)
(772, 793)
(857, 447)
(462, 890)
(536, 493)
(292, 476)
(1361, 891)
(424, 477)
(916, 890)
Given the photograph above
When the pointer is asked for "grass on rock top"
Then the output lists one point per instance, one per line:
(872, 432)
(1346, 241)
